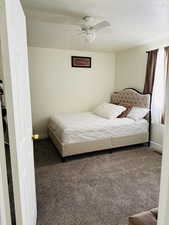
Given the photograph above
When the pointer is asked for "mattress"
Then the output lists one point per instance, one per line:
(86, 127)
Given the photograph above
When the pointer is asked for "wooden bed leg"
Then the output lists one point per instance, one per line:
(147, 144)
(63, 159)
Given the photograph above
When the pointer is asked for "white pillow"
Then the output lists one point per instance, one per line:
(109, 111)
(137, 113)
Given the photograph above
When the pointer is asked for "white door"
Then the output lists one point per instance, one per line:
(17, 93)
(5, 216)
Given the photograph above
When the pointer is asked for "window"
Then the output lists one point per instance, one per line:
(158, 95)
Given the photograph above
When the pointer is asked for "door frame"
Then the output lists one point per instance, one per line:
(25, 205)
(5, 212)
(163, 218)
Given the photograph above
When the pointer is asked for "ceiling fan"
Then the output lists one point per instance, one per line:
(88, 25)
(89, 30)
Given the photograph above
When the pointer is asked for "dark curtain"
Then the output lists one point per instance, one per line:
(150, 71)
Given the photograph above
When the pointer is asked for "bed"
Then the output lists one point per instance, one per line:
(77, 133)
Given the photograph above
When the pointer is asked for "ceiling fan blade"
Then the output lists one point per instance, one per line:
(101, 25)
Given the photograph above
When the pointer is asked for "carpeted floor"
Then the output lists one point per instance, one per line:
(103, 189)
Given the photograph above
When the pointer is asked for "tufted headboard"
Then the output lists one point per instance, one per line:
(131, 96)
(136, 98)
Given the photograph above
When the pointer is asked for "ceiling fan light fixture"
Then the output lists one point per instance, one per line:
(90, 36)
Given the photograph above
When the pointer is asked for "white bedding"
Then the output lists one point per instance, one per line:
(84, 127)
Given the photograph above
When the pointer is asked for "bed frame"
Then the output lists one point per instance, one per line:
(128, 95)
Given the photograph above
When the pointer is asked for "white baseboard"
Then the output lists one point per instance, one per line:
(156, 146)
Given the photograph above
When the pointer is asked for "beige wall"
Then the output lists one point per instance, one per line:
(57, 87)
(130, 72)
(130, 69)
(1, 73)
(1, 69)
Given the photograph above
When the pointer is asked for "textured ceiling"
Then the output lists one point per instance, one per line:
(133, 22)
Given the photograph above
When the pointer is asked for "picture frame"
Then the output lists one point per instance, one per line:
(81, 61)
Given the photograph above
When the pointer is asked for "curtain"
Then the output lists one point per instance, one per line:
(159, 88)
(150, 71)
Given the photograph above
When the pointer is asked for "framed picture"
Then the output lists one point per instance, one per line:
(81, 61)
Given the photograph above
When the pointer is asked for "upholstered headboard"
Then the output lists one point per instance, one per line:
(131, 96)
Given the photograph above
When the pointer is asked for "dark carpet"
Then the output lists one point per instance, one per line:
(100, 189)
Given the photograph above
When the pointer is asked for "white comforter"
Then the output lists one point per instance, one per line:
(82, 127)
